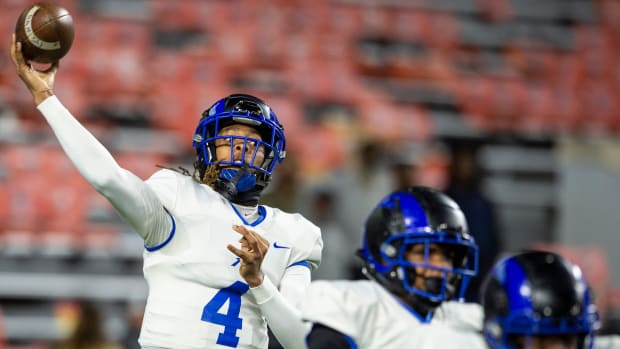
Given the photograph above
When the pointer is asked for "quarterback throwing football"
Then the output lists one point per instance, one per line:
(213, 282)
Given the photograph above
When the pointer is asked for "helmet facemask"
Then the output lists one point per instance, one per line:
(447, 282)
(241, 180)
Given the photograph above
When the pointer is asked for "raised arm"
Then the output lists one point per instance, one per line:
(135, 202)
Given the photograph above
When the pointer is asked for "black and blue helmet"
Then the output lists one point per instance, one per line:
(242, 109)
(536, 293)
(418, 215)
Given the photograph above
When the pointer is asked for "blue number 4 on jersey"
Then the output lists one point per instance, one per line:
(230, 320)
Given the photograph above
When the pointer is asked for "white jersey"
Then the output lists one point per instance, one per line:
(197, 297)
(374, 319)
(607, 342)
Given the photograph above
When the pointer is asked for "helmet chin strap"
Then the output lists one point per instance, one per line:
(238, 186)
(434, 285)
(423, 305)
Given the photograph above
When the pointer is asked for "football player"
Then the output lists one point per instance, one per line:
(213, 281)
(419, 258)
(538, 300)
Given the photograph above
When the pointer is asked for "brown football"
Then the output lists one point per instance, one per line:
(45, 31)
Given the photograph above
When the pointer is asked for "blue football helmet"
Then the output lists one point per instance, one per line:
(419, 215)
(242, 109)
(535, 293)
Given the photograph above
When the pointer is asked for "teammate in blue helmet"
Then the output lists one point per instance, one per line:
(239, 140)
(219, 266)
(417, 245)
(538, 300)
(419, 258)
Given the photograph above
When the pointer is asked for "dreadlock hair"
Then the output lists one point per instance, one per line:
(212, 173)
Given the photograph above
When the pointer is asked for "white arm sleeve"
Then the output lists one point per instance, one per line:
(135, 202)
(280, 308)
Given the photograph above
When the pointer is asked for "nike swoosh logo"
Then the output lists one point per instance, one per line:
(236, 262)
(275, 245)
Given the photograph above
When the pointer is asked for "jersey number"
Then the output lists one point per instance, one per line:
(230, 320)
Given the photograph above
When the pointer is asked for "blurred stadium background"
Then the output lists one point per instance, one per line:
(522, 95)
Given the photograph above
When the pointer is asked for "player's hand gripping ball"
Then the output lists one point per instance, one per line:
(45, 31)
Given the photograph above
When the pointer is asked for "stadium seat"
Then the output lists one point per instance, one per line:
(411, 25)
(566, 108)
(25, 204)
(474, 94)
(539, 108)
(389, 121)
(375, 20)
(609, 11)
(598, 105)
(130, 40)
(289, 113)
(327, 142)
(99, 240)
(508, 101)
(443, 31)
(181, 15)
(58, 244)
(4, 204)
(533, 10)
(17, 244)
(142, 164)
(177, 112)
(64, 206)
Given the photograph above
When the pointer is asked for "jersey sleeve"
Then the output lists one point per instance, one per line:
(308, 246)
(333, 304)
(607, 342)
(280, 307)
(460, 315)
(164, 183)
(131, 197)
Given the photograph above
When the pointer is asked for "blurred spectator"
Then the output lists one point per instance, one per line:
(464, 188)
(358, 187)
(338, 253)
(88, 332)
(419, 163)
(404, 161)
